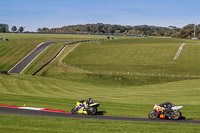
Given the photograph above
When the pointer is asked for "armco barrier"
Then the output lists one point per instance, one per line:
(34, 73)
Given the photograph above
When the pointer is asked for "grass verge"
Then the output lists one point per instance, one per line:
(21, 124)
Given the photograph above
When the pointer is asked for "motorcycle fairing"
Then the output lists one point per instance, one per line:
(160, 111)
(81, 107)
(177, 107)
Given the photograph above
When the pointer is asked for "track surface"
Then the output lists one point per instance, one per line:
(18, 68)
(15, 111)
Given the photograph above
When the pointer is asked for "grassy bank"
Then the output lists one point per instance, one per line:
(141, 56)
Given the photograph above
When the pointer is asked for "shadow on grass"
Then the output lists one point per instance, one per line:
(101, 112)
(182, 118)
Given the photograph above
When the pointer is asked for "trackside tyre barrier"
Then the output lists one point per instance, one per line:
(38, 70)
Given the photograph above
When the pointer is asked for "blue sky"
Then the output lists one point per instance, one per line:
(35, 14)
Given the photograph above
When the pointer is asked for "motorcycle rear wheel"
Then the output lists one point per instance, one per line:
(176, 115)
(92, 111)
(153, 115)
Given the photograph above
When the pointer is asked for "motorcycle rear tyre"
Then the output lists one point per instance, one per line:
(153, 115)
(92, 111)
(177, 116)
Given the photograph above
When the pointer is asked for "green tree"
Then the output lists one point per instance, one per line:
(44, 29)
(187, 31)
(117, 31)
(21, 29)
(14, 28)
(4, 28)
(176, 34)
(39, 30)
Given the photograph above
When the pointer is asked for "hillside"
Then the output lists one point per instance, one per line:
(138, 61)
(19, 45)
(126, 76)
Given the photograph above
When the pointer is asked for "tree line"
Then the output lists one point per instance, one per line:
(4, 28)
(116, 29)
(186, 32)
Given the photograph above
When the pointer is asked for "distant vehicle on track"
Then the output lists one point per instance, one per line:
(166, 111)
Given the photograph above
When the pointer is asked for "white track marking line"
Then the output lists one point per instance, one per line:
(30, 108)
(37, 109)
(40, 44)
(33, 59)
(179, 51)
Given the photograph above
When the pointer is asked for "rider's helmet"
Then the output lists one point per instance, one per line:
(90, 101)
(169, 105)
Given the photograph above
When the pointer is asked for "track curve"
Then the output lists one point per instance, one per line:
(15, 111)
(20, 66)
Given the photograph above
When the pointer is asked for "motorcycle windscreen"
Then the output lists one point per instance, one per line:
(94, 105)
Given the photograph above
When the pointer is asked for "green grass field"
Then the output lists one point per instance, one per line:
(138, 56)
(126, 76)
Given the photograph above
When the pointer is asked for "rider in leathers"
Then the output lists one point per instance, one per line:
(88, 102)
(167, 106)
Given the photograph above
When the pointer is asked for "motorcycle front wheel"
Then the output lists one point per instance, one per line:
(74, 110)
(176, 115)
(153, 115)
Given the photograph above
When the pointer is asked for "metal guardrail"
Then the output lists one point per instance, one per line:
(38, 70)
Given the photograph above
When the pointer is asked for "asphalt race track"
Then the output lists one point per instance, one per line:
(15, 111)
(18, 68)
